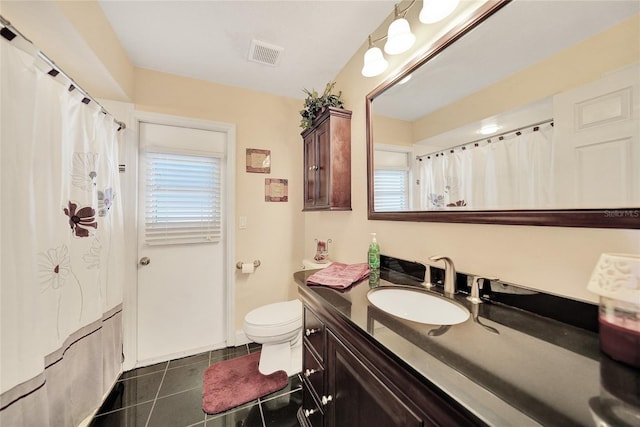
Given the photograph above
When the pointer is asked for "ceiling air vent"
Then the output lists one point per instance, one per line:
(265, 53)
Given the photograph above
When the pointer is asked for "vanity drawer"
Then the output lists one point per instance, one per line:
(313, 371)
(314, 332)
(310, 412)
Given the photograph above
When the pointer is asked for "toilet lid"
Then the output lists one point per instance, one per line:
(279, 313)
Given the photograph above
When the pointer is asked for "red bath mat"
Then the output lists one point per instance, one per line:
(236, 381)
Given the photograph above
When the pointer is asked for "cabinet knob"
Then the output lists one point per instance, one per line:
(308, 372)
(309, 332)
(309, 412)
(326, 399)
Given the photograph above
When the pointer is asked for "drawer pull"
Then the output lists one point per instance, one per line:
(310, 332)
(308, 372)
(326, 399)
(309, 412)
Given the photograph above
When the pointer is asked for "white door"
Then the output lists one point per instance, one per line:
(597, 140)
(182, 300)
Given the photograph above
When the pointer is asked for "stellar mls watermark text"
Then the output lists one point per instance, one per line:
(622, 213)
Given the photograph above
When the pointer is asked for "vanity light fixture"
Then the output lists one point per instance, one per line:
(436, 10)
(399, 36)
(399, 39)
(374, 62)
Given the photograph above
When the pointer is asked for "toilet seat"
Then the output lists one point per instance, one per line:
(274, 319)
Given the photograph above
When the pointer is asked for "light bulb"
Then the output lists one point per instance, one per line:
(374, 62)
(399, 37)
(436, 10)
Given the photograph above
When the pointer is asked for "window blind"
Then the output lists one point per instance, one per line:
(390, 190)
(183, 199)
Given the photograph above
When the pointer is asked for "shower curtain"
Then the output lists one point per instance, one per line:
(513, 173)
(62, 245)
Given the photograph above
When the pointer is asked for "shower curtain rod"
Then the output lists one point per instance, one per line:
(9, 32)
(500, 137)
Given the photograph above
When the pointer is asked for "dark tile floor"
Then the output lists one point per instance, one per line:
(169, 394)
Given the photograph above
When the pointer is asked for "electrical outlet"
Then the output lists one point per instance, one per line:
(242, 222)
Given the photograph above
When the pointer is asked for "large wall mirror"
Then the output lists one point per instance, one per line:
(525, 113)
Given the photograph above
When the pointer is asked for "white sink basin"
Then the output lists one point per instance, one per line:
(418, 306)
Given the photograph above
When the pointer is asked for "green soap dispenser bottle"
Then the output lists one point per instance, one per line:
(374, 253)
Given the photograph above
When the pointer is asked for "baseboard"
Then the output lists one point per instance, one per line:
(179, 355)
(87, 421)
(241, 338)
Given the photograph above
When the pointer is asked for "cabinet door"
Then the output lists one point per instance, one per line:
(323, 176)
(310, 163)
(356, 397)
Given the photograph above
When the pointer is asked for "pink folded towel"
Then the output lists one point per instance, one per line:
(339, 275)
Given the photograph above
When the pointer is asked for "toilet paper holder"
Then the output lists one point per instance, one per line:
(256, 264)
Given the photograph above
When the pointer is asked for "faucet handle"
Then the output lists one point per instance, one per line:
(475, 288)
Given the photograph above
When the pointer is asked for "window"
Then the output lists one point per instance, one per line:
(391, 180)
(390, 190)
(183, 199)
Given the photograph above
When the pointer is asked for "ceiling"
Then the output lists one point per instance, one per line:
(210, 40)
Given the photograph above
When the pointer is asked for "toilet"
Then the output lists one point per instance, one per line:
(278, 327)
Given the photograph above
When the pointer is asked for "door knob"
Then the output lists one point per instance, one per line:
(145, 260)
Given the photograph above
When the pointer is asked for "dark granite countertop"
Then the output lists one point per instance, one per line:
(505, 365)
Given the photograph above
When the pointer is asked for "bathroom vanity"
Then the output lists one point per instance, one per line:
(503, 366)
(339, 362)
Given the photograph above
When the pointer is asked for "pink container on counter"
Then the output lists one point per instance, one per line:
(616, 279)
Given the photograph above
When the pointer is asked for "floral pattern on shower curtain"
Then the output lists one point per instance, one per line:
(443, 179)
(62, 246)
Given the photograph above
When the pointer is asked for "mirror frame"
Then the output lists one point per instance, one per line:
(628, 218)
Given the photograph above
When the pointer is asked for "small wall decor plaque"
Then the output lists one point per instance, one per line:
(258, 161)
(276, 190)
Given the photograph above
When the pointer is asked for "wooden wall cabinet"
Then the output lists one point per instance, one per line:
(327, 162)
(347, 381)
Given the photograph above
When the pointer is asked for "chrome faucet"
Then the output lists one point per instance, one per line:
(449, 274)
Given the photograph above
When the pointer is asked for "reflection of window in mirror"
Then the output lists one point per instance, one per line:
(393, 177)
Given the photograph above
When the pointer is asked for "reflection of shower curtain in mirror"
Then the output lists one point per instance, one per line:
(512, 173)
(62, 246)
